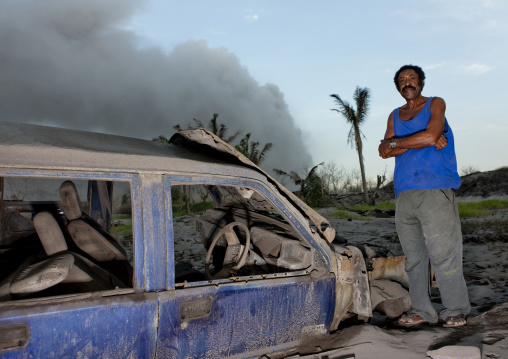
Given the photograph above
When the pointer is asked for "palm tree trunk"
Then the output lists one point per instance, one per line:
(359, 149)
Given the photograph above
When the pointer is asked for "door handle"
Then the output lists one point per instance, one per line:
(13, 336)
(195, 309)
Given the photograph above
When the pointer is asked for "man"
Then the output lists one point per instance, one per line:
(426, 218)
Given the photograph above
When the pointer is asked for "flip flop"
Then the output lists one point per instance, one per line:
(456, 321)
(411, 320)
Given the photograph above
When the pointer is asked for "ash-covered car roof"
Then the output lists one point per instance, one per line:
(196, 151)
(42, 147)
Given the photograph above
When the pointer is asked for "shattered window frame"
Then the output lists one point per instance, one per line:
(278, 205)
(132, 180)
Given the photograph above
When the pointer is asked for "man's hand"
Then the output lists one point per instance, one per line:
(386, 151)
(441, 142)
(384, 148)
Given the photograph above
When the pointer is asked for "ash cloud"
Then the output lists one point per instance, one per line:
(71, 64)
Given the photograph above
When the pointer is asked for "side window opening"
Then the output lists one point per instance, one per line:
(213, 225)
(63, 236)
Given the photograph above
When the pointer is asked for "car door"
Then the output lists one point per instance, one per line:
(110, 323)
(246, 316)
(115, 324)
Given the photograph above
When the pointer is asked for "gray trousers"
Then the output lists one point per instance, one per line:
(428, 226)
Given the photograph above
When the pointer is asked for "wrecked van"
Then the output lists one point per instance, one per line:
(99, 259)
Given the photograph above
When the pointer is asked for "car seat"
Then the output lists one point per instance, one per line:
(62, 266)
(91, 237)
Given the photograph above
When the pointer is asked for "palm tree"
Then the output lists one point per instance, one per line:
(219, 130)
(356, 119)
(311, 186)
(251, 151)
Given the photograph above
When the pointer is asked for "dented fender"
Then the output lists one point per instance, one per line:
(353, 291)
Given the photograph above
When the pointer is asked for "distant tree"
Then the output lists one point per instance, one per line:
(356, 118)
(220, 130)
(381, 179)
(332, 177)
(250, 150)
(311, 188)
(467, 170)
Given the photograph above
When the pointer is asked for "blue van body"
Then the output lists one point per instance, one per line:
(153, 314)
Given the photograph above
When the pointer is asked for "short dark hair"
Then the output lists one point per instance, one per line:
(417, 69)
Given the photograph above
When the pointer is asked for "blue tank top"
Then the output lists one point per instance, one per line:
(425, 168)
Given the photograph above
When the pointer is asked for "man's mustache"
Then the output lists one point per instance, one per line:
(408, 87)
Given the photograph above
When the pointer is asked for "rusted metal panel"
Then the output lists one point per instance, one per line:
(361, 292)
(343, 303)
(344, 287)
(353, 291)
(389, 268)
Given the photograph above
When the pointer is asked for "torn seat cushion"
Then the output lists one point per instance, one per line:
(69, 198)
(96, 242)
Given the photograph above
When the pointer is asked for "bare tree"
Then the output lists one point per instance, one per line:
(332, 177)
(467, 170)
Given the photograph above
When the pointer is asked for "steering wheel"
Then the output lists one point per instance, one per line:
(232, 239)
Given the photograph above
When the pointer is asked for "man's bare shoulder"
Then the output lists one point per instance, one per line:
(438, 101)
(437, 105)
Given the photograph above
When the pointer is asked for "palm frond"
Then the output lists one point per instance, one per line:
(362, 99)
(243, 146)
(230, 139)
(221, 131)
(262, 155)
(351, 136)
(280, 172)
(267, 147)
(212, 124)
(253, 153)
(313, 170)
(295, 177)
(344, 109)
(198, 123)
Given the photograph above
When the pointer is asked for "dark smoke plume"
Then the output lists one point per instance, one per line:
(71, 64)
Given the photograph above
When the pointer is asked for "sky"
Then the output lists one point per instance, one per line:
(313, 49)
(267, 67)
